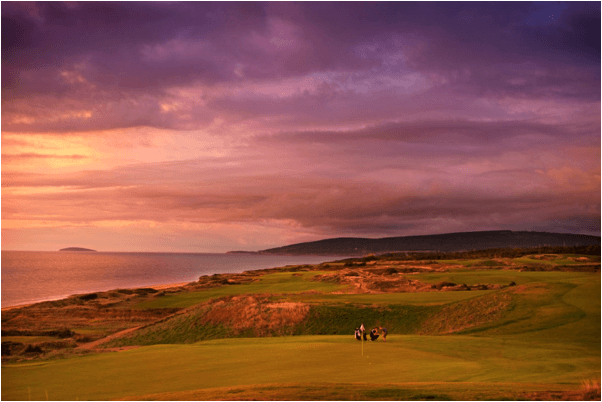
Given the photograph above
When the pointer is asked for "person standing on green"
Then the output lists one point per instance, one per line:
(384, 333)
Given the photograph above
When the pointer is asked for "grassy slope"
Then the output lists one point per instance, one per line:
(534, 305)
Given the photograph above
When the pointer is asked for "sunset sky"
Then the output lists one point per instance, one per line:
(208, 127)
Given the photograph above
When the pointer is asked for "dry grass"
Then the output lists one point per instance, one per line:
(370, 280)
(256, 313)
(388, 279)
(38, 319)
(590, 390)
(82, 325)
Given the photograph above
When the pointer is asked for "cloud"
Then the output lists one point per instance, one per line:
(115, 57)
(310, 119)
(378, 198)
(31, 155)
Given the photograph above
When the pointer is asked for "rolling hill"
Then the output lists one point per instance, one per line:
(441, 242)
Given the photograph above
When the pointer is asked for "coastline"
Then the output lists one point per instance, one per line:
(156, 287)
(51, 276)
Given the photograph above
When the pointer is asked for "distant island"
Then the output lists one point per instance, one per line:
(76, 249)
(450, 242)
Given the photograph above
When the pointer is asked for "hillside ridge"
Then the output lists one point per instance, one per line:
(449, 242)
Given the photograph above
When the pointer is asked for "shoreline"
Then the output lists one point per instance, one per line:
(170, 270)
(156, 287)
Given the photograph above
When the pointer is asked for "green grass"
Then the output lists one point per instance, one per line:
(483, 262)
(573, 314)
(500, 276)
(409, 299)
(342, 319)
(553, 305)
(563, 259)
(304, 359)
(282, 282)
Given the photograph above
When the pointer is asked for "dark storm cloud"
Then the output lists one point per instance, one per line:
(117, 62)
(442, 37)
(148, 46)
(110, 35)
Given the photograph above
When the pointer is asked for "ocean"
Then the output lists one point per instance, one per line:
(33, 276)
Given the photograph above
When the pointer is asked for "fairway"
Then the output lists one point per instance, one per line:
(303, 359)
(502, 277)
(281, 282)
(407, 299)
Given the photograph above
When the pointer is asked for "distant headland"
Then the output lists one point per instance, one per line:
(76, 249)
(448, 242)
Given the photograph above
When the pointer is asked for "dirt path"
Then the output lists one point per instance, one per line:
(94, 345)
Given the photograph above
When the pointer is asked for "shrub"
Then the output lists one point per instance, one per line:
(442, 285)
(33, 350)
(10, 347)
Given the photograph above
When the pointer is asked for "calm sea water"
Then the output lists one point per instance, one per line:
(31, 276)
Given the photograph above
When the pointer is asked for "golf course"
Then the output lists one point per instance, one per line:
(525, 327)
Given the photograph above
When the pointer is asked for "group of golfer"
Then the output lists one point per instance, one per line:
(361, 333)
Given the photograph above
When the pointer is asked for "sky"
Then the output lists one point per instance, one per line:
(209, 127)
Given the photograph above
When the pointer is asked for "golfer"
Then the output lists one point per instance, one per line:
(384, 333)
(363, 331)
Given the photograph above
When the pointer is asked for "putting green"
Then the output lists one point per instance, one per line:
(302, 359)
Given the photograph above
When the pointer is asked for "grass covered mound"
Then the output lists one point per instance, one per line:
(525, 326)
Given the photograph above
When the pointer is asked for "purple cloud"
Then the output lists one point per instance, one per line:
(320, 119)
